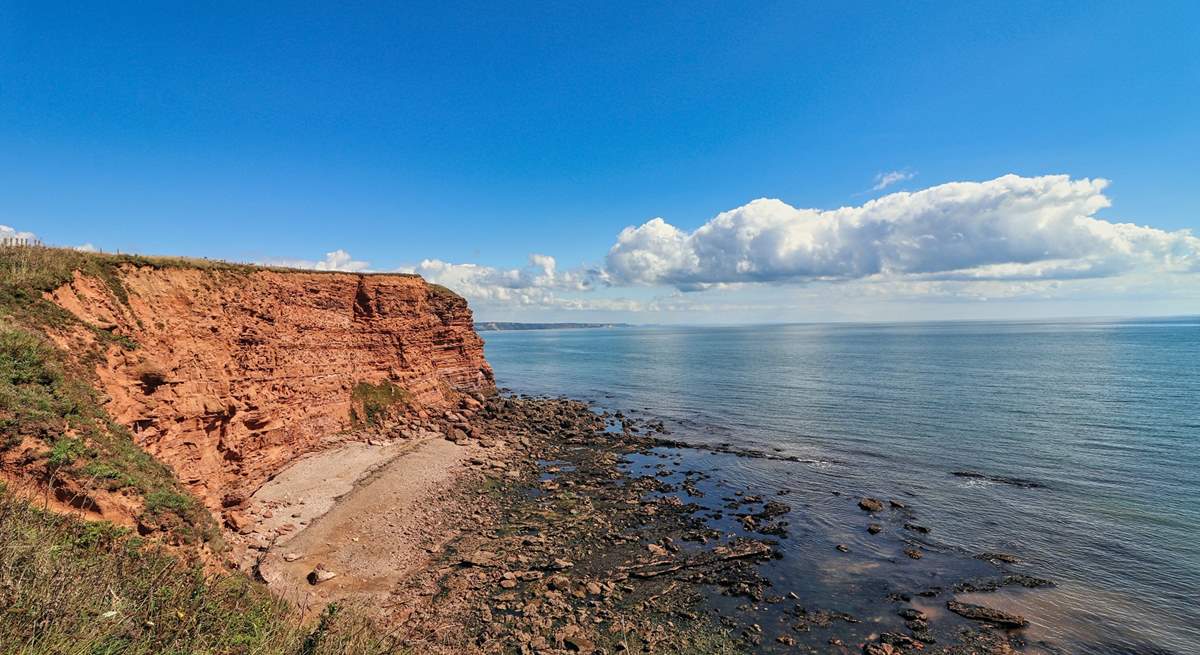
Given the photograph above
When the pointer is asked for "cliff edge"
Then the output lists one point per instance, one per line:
(227, 374)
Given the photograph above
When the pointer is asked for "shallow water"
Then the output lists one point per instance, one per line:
(1101, 415)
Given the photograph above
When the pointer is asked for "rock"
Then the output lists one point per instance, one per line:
(897, 504)
(913, 553)
(773, 509)
(879, 649)
(998, 557)
(874, 528)
(238, 521)
(916, 528)
(912, 614)
(508, 584)
(900, 640)
(480, 558)
(290, 557)
(786, 640)
(320, 574)
(578, 644)
(870, 505)
(986, 614)
(657, 550)
(843, 548)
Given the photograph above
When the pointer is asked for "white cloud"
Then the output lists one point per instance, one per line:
(537, 284)
(1010, 228)
(7, 232)
(87, 247)
(885, 180)
(337, 260)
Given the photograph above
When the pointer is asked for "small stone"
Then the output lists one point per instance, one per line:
(913, 553)
(874, 528)
(843, 548)
(290, 557)
(320, 574)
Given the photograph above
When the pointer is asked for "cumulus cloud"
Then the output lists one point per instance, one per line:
(885, 180)
(337, 260)
(1010, 228)
(535, 284)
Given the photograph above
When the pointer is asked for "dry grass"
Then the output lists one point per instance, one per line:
(72, 587)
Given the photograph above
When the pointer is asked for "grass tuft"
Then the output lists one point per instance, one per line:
(70, 586)
(375, 404)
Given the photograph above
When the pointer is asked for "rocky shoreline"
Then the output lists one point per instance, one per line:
(582, 531)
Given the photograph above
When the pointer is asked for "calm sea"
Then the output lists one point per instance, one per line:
(1103, 416)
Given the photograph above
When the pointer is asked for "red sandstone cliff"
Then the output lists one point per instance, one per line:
(236, 374)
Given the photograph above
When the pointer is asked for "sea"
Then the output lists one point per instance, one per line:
(1073, 445)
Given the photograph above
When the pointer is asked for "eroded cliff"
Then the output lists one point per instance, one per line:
(229, 375)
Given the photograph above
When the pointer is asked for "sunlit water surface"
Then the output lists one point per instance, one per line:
(1104, 414)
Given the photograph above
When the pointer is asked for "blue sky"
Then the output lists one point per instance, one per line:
(479, 134)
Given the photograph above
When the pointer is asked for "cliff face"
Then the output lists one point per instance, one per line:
(236, 374)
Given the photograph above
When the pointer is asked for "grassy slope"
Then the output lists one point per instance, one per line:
(74, 587)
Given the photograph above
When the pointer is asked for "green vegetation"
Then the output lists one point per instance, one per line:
(374, 404)
(69, 586)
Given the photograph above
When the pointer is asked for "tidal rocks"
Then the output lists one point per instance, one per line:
(772, 509)
(870, 505)
(874, 528)
(987, 614)
(992, 584)
(998, 557)
(913, 553)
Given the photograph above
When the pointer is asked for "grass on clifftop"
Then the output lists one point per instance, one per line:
(68, 586)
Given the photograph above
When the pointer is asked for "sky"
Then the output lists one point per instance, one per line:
(678, 163)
